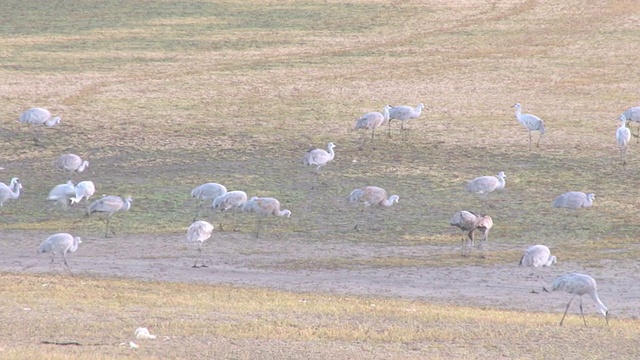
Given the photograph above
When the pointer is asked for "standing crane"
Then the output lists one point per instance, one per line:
(530, 122)
(265, 206)
(199, 232)
(63, 193)
(232, 200)
(372, 196)
(404, 113)
(37, 117)
(623, 135)
(632, 114)
(60, 243)
(11, 192)
(372, 121)
(206, 192)
(538, 256)
(71, 163)
(469, 222)
(319, 157)
(109, 205)
(578, 285)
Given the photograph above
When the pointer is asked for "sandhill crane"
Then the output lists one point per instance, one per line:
(538, 256)
(232, 200)
(372, 121)
(199, 232)
(469, 222)
(404, 113)
(10, 192)
(486, 184)
(574, 200)
(62, 193)
(109, 205)
(531, 122)
(60, 243)
(37, 117)
(578, 285)
(372, 195)
(632, 114)
(84, 189)
(623, 135)
(207, 192)
(265, 206)
(319, 157)
(71, 163)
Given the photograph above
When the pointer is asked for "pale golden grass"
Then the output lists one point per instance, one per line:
(192, 319)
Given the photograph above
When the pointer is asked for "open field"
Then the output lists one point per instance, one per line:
(162, 96)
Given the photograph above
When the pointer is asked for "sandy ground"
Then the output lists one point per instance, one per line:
(241, 259)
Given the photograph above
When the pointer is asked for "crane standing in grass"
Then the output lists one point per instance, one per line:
(11, 192)
(109, 205)
(71, 163)
(207, 192)
(372, 195)
(199, 232)
(404, 113)
(60, 243)
(265, 206)
(232, 200)
(632, 114)
(62, 193)
(623, 135)
(372, 121)
(37, 117)
(319, 157)
(578, 285)
(538, 256)
(531, 122)
(84, 189)
(468, 221)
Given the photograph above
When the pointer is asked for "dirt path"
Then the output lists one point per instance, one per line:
(242, 260)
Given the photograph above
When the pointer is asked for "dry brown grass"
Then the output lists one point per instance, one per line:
(165, 95)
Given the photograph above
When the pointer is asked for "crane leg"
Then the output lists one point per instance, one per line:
(582, 313)
(529, 140)
(565, 310)
(64, 257)
(389, 125)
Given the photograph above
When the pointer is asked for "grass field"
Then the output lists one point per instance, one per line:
(162, 96)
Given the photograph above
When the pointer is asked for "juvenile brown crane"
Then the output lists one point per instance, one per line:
(470, 222)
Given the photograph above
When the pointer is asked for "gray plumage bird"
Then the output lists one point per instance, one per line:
(372, 121)
(404, 113)
(372, 196)
(63, 193)
(319, 157)
(632, 114)
(37, 117)
(487, 184)
(10, 192)
(470, 222)
(623, 136)
(109, 205)
(265, 206)
(206, 192)
(538, 256)
(578, 285)
(573, 200)
(233, 201)
(530, 122)
(84, 189)
(71, 163)
(199, 232)
(61, 243)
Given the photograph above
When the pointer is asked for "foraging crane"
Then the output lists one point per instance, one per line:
(265, 206)
(37, 117)
(404, 113)
(531, 122)
(623, 135)
(632, 114)
(63, 193)
(319, 157)
(60, 243)
(10, 192)
(71, 163)
(469, 222)
(372, 121)
(199, 232)
(573, 200)
(109, 205)
(84, 189)
(372, 195)
(232, 200)
(538, 256)
(578, 285)
(487, 184)
(207, 192)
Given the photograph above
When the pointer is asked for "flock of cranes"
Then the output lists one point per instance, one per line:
(220, 199)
